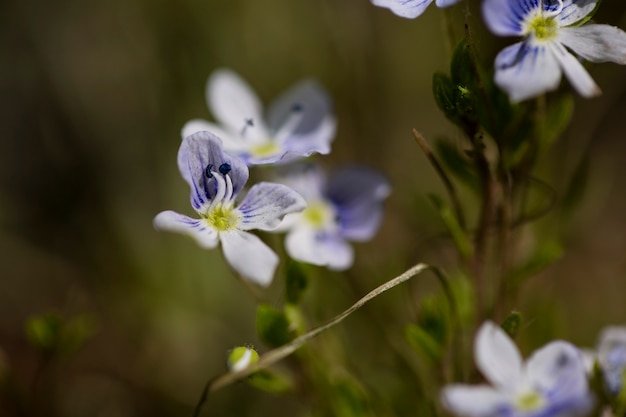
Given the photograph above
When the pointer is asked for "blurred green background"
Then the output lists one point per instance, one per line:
(93, 97)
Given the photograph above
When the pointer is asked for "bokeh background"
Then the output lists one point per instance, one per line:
(93, 97)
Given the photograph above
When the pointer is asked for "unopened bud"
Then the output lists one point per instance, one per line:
(241, 357)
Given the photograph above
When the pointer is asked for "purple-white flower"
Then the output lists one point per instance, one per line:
(552, 382)
(346, 207)
(548, 29)
(611, 356)
(298, 124)
(411, 8)
(215, 179)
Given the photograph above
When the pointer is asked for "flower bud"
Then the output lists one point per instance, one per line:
(241, 357)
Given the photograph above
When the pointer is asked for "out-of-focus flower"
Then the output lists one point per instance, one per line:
(534, 65)
(611, 356)
(411, 8)
(346, 207)
(298, 124)
(553, 381)
(215, 179)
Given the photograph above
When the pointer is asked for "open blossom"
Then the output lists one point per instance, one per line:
(215, 179)
(611, 356)
(551, 383)
(411, 8)
(547, 27)
(345, 207)
(298, 124)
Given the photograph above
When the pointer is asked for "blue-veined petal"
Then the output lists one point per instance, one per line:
(404, 8)
(574, 11)
(357, 194)
(497, 357)
(576, 74)
(524, 70)
(199, 230)
(319, 248)
(266, 204)
(231, 142)
(475, 401)
(558, 371)
(596, 43)
(235, 105)
(252, 259)
(506, 17)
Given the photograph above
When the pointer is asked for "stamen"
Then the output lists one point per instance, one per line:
(225, 168)
(293, 120)
(247, 123)
(207, 171)
(297, 107)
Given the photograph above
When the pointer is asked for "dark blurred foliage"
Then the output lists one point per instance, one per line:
(93, 95)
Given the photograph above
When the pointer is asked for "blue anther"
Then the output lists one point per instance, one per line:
(225, 168)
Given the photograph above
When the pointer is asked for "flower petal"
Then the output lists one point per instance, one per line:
(249, 256)
(446, 3)
(266, 204)
(319, 248)
(196, 153)
(574, 11)
(230, 142)
(307, 179)
(357, 194)
(474, 401)
(559, 372)
(171, 221)
(576, 74)
(497, 357)
(610, 338)
(404, 8)
(506, 17)
(234, 103)
(525, 70)
(596, 43)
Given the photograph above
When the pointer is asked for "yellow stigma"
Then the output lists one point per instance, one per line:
(222, 218)
(544, 28)
(529, 401)
(317, 214)
(265, 149)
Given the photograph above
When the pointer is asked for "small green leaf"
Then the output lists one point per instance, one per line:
(543, 257)
(348, 399)
(423, 343)
(512, 324)
(272, 326)
(459, 236)
(445, 94)
(271, 382)
(458, 164)
(52, 333)
(296, 282)
(44, 331)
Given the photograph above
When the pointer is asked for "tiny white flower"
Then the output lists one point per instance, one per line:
(411, 8)
(298, 124)
(548, 29)
(611, 356)
(551, 383)
(215, 179)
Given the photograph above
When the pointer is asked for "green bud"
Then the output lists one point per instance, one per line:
(241, 357)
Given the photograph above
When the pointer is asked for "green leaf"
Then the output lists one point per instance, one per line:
(543, 257)
(272, 382)
(423, 343)
(348, 399)
(52, 333)
(296, 284)
(445, 96)
(512, 324)
(272, 326)
(620, 399)
(458, 164)
(462, 67)
(44, 331)
(459, 236)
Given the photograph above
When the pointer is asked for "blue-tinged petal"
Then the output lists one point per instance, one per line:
(199, 230)
(404, 8)
(558, 371)
(252, 259)
(576, 74)
(319, 248)
(266, 204)
(307, 179)
(524, 70)
(610, 338)
(574, 11)
(199, 155)
(446, 3)
(475, 401)
(235, 105)
(357, 194)
(596, 43)
(506, 17)
(497, 357)
(231, 143)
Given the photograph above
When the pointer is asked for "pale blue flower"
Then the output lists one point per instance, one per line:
(346, 207)
(215, 179)
(299, 123)
(611, 356)
(548, 29)
(551, 383)
(411, 8)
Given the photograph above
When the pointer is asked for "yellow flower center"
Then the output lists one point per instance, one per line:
(318, 214)
(222, 217)
(529, 401)
(265, 149)
(544, 28)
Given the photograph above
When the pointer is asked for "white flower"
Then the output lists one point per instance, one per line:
(411, 8)
(215, 179)
(299, 123)
(611, 356)
(534, 65)
(551, 383)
